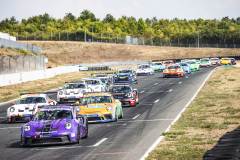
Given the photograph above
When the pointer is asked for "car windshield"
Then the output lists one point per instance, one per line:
(96, 99)
(119, 89)
(104, 80)
(225, 59)
(183, 64)
(92, 81)
(125, 71)
(173, 67)
(192, 62)
(52, 114)
(168, 62)
(214, 59)
(74, 86)
(28, 100)
(156, 64)
(143, 66)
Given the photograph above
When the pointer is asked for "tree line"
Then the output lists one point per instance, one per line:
(225, 28)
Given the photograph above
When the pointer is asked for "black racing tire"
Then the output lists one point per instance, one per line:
(78, 135)
(121, 116)
(86, 132)
(137, 100)
(116, 116)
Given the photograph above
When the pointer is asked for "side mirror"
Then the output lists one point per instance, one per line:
(12, 103)
(27, 119)
(60, 88)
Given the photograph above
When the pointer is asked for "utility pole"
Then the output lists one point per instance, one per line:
(198, 38)
(92, 33)
(85, 36)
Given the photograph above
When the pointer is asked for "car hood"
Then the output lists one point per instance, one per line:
(58, 123)
(75, 91)
(123, 74)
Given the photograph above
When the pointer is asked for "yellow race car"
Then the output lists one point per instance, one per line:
(226, 61)
(101, 107)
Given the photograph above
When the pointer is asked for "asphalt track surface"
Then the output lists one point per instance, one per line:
(161, 100)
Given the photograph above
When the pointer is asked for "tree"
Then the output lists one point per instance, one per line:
(141, 26)
(109, 19)
(71, 16)
(86, 14)
(13, 20)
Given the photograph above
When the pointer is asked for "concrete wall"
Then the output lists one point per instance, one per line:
(15, 78)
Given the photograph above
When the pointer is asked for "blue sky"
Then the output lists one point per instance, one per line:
(189, 9)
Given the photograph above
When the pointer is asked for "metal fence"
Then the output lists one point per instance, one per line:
(17, 64)
(15, 44)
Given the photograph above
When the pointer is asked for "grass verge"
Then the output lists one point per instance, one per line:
(13, 91)
(211, 114)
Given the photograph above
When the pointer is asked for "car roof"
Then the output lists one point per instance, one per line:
(95, 78)
(57, 107)
(33, 95)
(99, 94)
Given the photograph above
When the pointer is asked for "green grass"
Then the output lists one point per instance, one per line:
(6, 94)
(231, 79)
(174, 133)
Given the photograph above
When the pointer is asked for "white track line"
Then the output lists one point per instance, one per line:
(157, 100)
(97, 144)
(142, 91)
(170, 90)
(155, 84)
(179, 115)
(136, 116)
(186, 77)
(179, 82)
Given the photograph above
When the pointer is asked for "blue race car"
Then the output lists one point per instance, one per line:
(158, 66)
(55, 125)
(186, 67)
(125, 75)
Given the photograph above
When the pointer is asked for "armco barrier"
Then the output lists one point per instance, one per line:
(15, 78)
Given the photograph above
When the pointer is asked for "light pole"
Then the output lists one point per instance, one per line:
(198, 38)
(85, 36)
(92, 33)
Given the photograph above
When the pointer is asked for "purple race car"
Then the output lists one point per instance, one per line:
(55, 125)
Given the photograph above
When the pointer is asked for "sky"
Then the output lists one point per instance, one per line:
(166, 9)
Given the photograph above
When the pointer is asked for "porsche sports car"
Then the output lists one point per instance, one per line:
(26, 106)
(125, 94)
(72, 92)
(125, 75)
(205, 63)
(174, 70)
(54, 125)
(105, 78)
(233, 61)
(82, 68)
(101, 107)
(194, 66)
(145, 69)
(168, 62)
(185, 66)
(95, 84)
(157, 66)
(226, 61)
(215, 61)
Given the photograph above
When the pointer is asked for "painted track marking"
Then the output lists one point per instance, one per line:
(155, 84)
(136, 116)
(142, 91)
(179, 82)
(98, 143)
(157, 100)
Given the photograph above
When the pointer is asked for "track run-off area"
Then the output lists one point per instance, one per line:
(161, 100)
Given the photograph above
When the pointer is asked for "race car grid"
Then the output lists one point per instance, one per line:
(153, 90)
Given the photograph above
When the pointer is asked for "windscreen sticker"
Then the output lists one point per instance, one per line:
(23, 99)
(67, 85)
(40, 113)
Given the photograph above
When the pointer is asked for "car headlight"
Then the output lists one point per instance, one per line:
(78, 109)
(68, 125)
(12, 109)
(109, 108)
(131, 75)
(60, 92)
(128, 95)
(27, 127)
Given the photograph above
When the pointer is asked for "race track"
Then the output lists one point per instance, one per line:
(161, 100)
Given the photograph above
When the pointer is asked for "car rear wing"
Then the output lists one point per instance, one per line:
(39, 93)
(75, 82)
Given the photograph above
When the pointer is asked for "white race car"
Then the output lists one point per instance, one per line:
(145, 69)
(72, 92)
(26, 106)
(82, 68)
(95, 84)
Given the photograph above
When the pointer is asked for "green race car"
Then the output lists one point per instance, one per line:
(194, 65)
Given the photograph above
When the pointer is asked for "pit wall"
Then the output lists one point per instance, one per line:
(9, 79)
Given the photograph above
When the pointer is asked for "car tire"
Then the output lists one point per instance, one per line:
(78, 135)
(137, 101)
(86, 130)
(116, 116)
(121, 116)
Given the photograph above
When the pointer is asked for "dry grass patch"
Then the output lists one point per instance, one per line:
(211, 114)
(104, 52)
